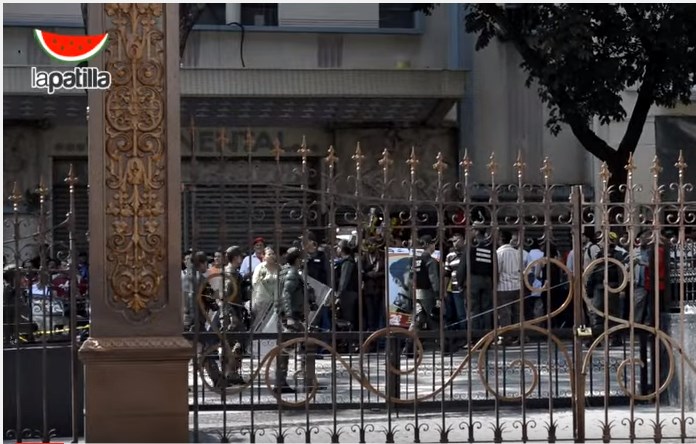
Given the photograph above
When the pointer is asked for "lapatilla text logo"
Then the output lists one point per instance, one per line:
(70, 49)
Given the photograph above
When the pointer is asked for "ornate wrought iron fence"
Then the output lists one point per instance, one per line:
(456, 380)
(45, 317)
(461, 378)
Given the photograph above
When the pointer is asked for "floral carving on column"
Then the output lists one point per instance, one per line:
(135, 169)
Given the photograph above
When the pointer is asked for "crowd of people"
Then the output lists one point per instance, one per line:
(263, 287)
(36, 296)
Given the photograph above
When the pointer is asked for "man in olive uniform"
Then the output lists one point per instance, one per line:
(292, 313)
(233, 311)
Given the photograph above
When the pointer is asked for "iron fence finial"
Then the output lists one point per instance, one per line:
(440, 165)
(604, 173)
(42, 190)
(656, 168)
(466, 162)
(492, 165)
(71, 180)
(15, 197)
(277, 149)
(304, 151)
(249, 140)
(546, 169)
(222, 139)
(412, 160)
(519, 165)
(358, 156)
(385, 161)
(681, 164)
(331, 159)
(630, 165)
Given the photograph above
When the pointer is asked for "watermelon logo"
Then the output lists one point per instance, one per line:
(70, 49)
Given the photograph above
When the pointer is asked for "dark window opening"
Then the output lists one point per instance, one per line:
(259, 14)
(213, 14)
(396, 15)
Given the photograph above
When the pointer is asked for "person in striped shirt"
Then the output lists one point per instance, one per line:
(509, 284)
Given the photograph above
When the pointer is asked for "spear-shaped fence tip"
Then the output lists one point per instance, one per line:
(331, 158)
(492, 165)
(15, 197)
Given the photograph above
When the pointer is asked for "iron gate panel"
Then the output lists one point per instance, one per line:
(361, 385)
(364, 384)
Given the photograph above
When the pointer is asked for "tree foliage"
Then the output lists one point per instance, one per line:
(582, 57)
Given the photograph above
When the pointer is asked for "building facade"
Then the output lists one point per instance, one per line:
(337, 74)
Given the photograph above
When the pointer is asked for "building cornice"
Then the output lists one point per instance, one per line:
(310, 83)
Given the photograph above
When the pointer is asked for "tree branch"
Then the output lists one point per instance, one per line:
(646, 92)
(592, 143)
(637, 121)
(189, 13)
(83, 10)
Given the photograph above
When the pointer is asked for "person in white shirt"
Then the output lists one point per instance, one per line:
(253, 260)
(534, 306)
(508, 284)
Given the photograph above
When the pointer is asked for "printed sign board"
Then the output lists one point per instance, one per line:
(399, 266)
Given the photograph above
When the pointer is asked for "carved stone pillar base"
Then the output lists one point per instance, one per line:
(136, 389)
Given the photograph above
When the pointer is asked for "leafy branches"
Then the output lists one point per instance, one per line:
(582, 58)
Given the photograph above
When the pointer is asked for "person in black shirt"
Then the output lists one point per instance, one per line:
(317, 262)
(348, 288)
(318, 267)
(374, 265)
(481, 257)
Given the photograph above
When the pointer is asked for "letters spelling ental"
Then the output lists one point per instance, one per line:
(208, 141)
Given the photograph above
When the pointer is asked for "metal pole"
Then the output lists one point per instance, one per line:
(74, 369)
(578, 384)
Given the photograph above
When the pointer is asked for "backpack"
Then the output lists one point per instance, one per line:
(614, 273)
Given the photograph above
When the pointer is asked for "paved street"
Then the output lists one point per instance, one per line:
(322, 418)
(551, 369)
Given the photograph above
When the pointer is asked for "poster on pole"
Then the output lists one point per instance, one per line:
(399, 267)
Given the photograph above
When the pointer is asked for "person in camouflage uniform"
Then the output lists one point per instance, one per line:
(292, 314)
(233, 312)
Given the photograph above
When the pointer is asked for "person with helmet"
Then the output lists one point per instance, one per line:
(291, 312)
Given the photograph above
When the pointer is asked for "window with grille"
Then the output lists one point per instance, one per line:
(396, 15)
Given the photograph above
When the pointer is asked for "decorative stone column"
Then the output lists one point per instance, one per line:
(136, 360)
